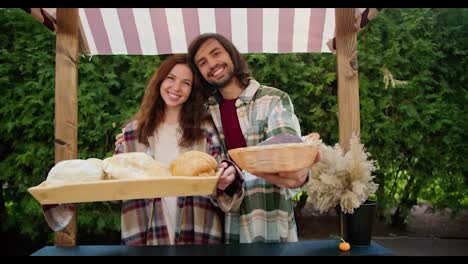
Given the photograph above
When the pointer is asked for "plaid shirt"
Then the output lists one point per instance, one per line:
(199, 219)
(264, 212)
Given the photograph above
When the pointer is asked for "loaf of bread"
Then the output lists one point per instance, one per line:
(134, 165)
(194, 163)
(76, 171)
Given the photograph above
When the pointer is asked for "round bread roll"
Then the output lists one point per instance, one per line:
(134, 165)
(194, 163)
(76, 171)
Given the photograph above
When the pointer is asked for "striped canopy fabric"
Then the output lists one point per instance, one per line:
(151, 31)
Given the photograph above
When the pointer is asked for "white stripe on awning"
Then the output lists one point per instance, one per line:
(328, 28)
(239, 29)
(301, 29)
(176, 29)
(270, 29)
(207, 20)
(145, 31)
(114, 30)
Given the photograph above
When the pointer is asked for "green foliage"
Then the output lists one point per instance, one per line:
(109, 93)
(26, 117)
(415, 130)
(310, 81)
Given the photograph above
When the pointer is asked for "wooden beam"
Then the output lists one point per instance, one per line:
(83, 42)
(66, 100)
(347, 75)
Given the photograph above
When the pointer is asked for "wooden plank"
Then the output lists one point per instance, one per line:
(124, 189)
(66, 100)
(347, 75)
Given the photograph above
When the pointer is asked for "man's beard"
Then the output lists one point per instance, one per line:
(219, 85)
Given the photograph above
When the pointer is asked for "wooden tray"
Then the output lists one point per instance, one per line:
(111, 190)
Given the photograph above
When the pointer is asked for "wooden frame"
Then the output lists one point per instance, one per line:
(66, 100)
(347, 76)
(70, 39)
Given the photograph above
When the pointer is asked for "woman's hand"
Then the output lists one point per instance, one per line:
(227, 177)
(119, 139)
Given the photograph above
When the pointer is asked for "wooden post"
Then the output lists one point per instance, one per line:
(66, 100)
(83, 42)
(347, 75)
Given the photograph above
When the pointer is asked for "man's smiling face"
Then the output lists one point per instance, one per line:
(214, 63)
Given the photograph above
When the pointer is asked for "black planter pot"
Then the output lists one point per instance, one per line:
(356, 228)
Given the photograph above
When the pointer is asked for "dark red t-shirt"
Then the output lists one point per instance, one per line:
(231, 127)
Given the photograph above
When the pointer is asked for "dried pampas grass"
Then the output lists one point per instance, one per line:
(343, 179)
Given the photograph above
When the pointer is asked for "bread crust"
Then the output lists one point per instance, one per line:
(194, 163)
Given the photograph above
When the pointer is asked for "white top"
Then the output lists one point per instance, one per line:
(166, 149)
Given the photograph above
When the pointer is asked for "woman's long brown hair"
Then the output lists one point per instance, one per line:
(152, 109)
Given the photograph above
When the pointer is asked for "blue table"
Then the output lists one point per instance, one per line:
(302, 248)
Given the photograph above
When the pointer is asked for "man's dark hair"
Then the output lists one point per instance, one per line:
(241, 69)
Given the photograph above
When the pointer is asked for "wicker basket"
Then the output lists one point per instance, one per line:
(275, 158)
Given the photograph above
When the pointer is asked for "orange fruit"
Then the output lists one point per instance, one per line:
(344, 246)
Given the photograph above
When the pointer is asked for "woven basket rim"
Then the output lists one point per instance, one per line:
(282, 146)
(276, 157)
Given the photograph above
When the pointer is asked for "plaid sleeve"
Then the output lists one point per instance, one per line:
(282, 118)
(230, 198)
(130, 139)
(213, 145)
(58, 216)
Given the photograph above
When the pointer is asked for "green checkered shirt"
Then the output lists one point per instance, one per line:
(264, 212)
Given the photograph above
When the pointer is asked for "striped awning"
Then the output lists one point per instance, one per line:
(149, 31)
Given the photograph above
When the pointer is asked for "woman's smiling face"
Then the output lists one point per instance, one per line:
(176, 88)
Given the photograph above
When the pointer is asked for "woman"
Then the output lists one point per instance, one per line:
(171, 120)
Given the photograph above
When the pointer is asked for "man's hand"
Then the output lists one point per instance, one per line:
(227, 177)
(315, 136)
(291, 179)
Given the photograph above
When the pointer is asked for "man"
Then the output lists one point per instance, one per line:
(245, 114)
